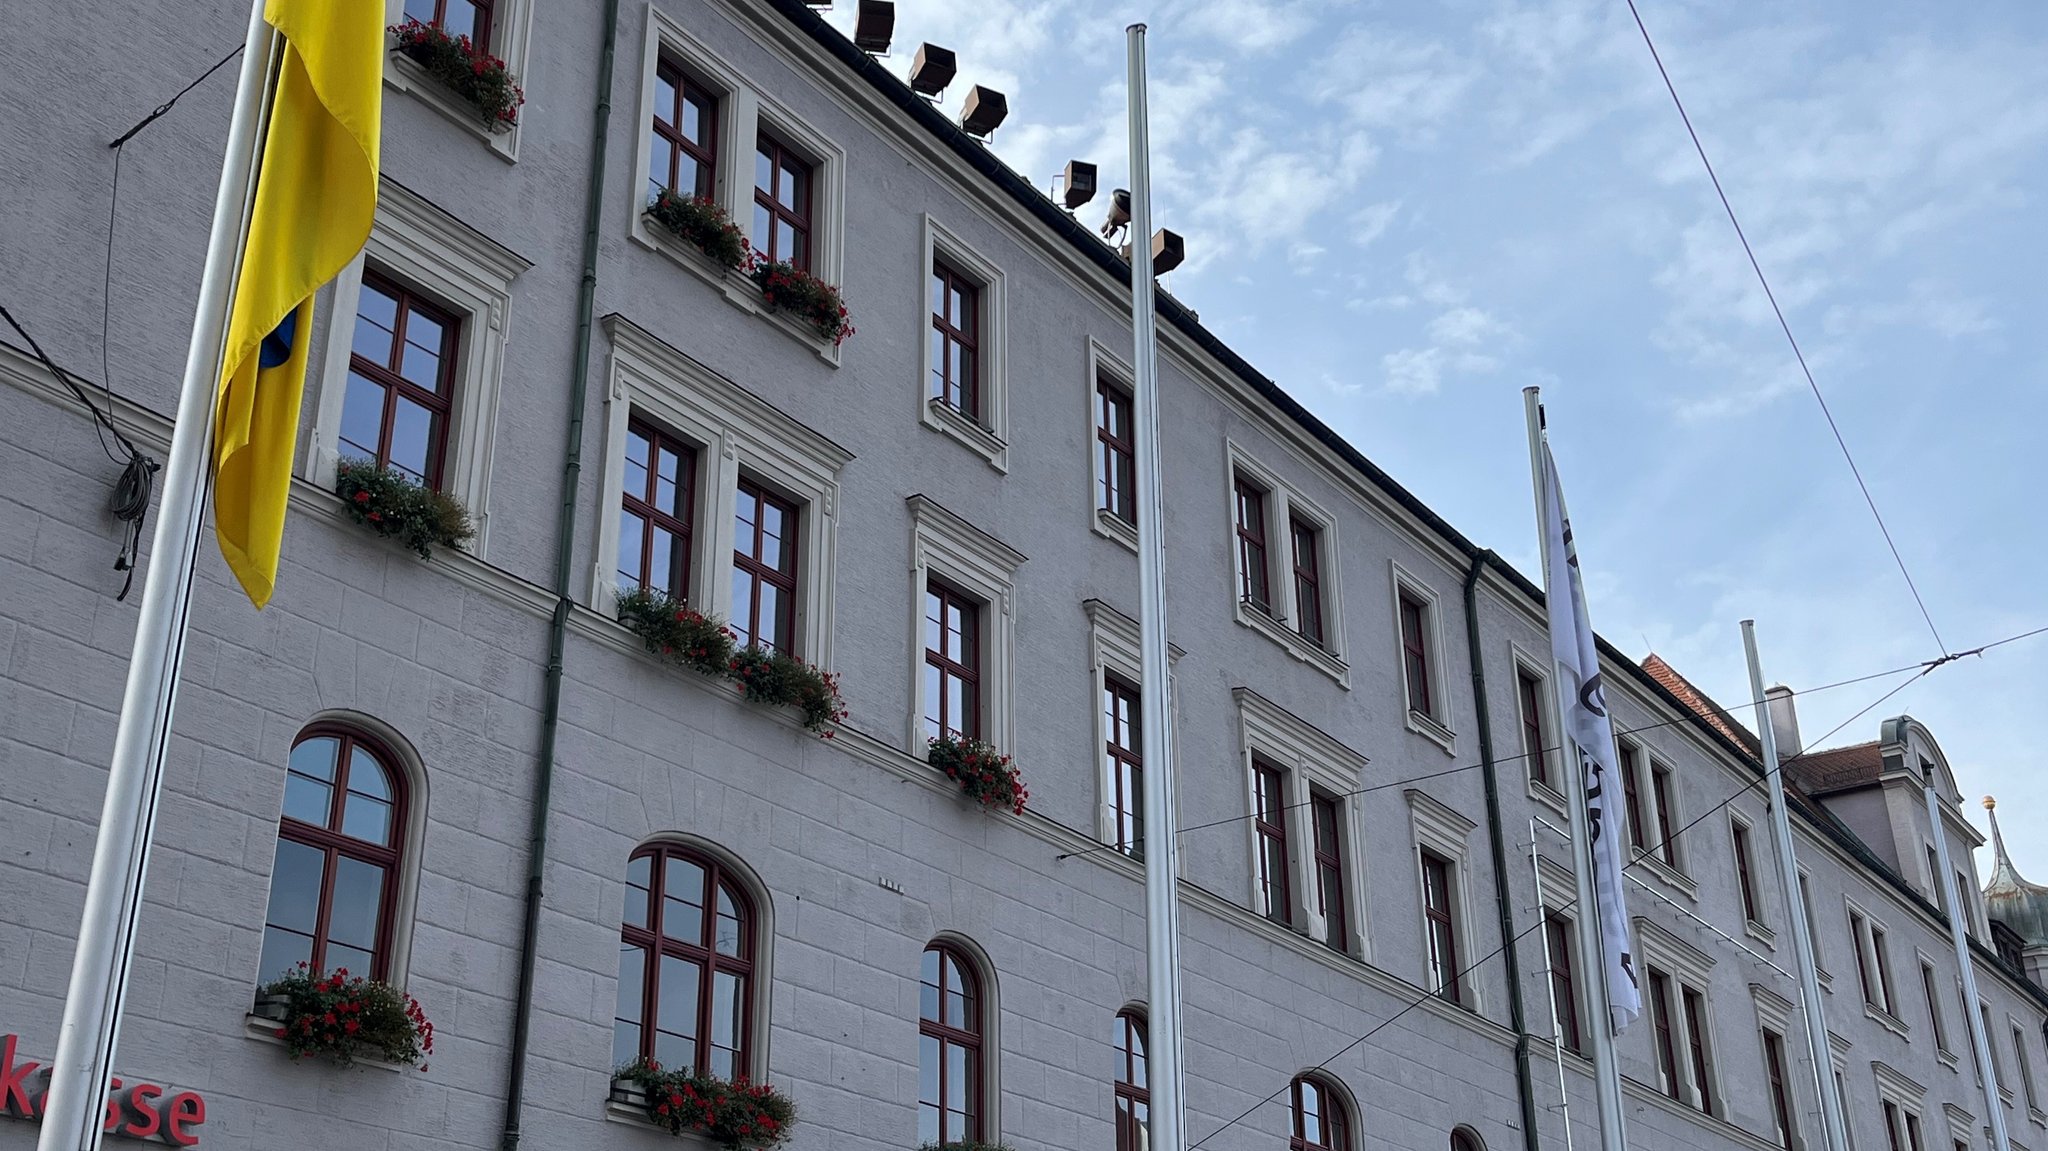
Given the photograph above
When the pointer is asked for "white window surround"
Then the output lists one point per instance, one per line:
(1311, 759)
(1113, 649)
(745, 110)
(1284, 503)
(762, 975)
(1897, 1088)
(1650, 858)
(736, 432)
(1960, 1123)
(1102, 362)
(511, 32)
(1881, 979)
(1690, 969)
(1435, 728)
(989, 436)
(425, 248)
(1559, 897)
(1756, 929)
(991, 1028)
(963, 556)
(1774, 1014)
(2023, 1070)
(1446, 832)
(1526, 662)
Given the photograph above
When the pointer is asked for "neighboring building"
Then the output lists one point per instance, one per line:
(357, 770)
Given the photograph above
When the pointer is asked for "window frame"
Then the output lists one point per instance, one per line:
(681, 528)
(1254, 553)
(1332, 875)
(785, 581)
(656, 944)
(964, 667)
(1559, 940)
(511, 29)
(393, 386)
(970, 959)
(1308, 600)
(1311, 761)
(1334, 1112)
(1687, 973)
(1116, 459)
(986, 430)
(1433, 719)
(437, 256)
(1269, 826)
(973, 1040)
(394, 911)
(1440, 926)
(481, 39)
(1937, 1022)
(1113, 655)
(1124, 760)
(946, 548)
(784, 158)
(948, 283)
(1133, 1103)
(1782, 1113)
(668, 66)
(1663, 783)
(1444, 833)
(1530, 703)
(1282, 503)
(1741, 840)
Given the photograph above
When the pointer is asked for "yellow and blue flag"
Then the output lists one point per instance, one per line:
(316, 192)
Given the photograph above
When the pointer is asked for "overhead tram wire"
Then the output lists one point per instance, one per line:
(1923, 667)
(1462, 972)
(1785, 326)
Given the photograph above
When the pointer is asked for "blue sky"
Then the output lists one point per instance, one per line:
(1405, 213)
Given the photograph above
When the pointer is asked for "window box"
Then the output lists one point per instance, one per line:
(272, 1007)
(396, 507)
(805, 298)
(984, 774)
(701, 223)
(479, 78)
(733, 1114)
(675, 633)
(345, 1018)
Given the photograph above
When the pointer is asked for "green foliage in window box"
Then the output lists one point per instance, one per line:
(675, 632)
(788, 288)
(473, 74)
(703, 224)
(984, 774)
(392, 505)
(683, 636)
(732, 1113)
(347, 1018)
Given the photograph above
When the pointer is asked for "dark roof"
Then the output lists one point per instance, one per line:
(1837, 768)
(1699, 702)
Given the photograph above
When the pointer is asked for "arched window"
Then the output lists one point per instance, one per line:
(1319, 1119)
(1133, 1087)
(949, 1048)
(1464, 1140)
(687, 954)
(334, 883)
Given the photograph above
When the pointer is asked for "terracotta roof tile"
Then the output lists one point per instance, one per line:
(1701, 704)
(1837, 768)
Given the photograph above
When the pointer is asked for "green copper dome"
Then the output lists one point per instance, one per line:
(2008, 898)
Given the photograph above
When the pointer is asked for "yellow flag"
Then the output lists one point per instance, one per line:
(316, 193)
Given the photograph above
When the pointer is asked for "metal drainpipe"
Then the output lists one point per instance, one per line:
(565, 548)
(1525, 1087)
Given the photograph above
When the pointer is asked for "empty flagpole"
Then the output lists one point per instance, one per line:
(1831, 1120)
(120, 860)
(1587, 940)
(1162, 902)
(1980, 1038)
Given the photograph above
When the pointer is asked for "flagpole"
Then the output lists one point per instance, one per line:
(1980, 1041)
(1587, 939)
(80, 1070)
(1161, 844)
(1831, 1120)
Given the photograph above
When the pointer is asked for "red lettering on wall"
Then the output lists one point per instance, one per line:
(134, 1112)
(140, 1103)
(14, 1082)
(186, 1110)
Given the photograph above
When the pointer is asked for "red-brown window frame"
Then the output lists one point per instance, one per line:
(641, 504)
(439, 403)
(1254, 584)
(1696, 1045)
(1123, 749)
(485, 19)
(1130, 1096)
(962, 395)
(968, 674)
(1269, 818)
(1306, 543)
(1336, 1123)
(1442, 924)
(1529, 692)
(655, 942)
(1117, 485)
(949, 1036)
(1564, 995)
(1631, 793)
(1667, 1044)
(1739, 839)
(1660, 795)
(330, 841)
(671, 129)
(1415, 653)
(778, 155)
(1327, 820)
(749, 561)
(1774, 1071)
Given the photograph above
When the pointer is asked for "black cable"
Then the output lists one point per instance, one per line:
(1783, 324)
(166, 106)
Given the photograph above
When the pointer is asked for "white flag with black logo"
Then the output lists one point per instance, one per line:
(1591, 734)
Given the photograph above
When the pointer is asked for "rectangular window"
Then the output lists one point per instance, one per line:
(764, 568)
(1631, 765)
(1781, 1099)
(1984, 1013)
(1913, 1132)
(1667, 838)
(1696, 1043)
(1882, 960)
(1116, 445)
(1968, 912)
(1894, 1138)
(1667, 1045)
(1842, 1103)
(1443, 933)
(2026, 1070)
(471, 18)
(1269, 800)
(1251, 546)
(1122, 749)
(1415, 654)
(1564, 999)
(401, 382)
(1934, 881)
(956, 324)
(654, 511)
(1806, 903)
(1859, 930)
(683, 141)
(1330, 870)
(1934, 1020)
(1308, 587)
(952, 663)
(1529, 690)
(782, 204)
(1750, 910)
